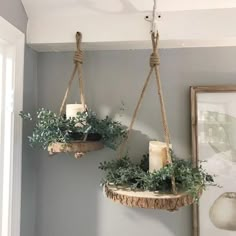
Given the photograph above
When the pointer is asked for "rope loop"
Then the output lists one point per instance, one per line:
(154, 59)
(78, 57)
(78, 38)
(78, 61)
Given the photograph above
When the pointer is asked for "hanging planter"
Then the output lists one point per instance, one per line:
(134, 185)
(160, 181)
(77, 130)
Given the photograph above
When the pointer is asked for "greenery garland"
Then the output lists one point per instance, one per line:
(124, 173)
(51, 127)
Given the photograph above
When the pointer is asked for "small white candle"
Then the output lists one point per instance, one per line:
(157, 155)
(73, 109)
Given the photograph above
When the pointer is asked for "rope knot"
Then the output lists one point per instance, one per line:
(154, 59)
(78, 57)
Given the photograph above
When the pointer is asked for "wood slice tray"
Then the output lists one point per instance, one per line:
(79, 148)
(147, 199)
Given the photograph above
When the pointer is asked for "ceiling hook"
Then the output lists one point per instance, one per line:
(153, 19)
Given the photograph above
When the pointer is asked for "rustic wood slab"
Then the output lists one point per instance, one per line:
(79, 148)
(147, 199)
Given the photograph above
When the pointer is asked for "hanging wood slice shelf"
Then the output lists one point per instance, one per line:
(79, 148)
(172, 199)
(147, 199)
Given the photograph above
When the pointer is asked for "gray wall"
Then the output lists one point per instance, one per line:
(14, 12)
(69, 199)
(29, 156)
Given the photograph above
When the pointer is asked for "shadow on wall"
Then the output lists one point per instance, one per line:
(168, 220)
(69, 198)
(67, 194)
(137, 145)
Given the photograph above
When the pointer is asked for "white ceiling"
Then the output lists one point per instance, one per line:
(120, 24)
(86, 7)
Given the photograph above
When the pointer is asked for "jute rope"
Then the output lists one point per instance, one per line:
(154, 66)
(78, 61)
(123, 145)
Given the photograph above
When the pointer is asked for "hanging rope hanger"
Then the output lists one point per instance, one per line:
(154, 67)
(78, 61)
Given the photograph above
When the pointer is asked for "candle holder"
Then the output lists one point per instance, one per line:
(165, 182)
(79, 135)
(134, 185)
(76, 130)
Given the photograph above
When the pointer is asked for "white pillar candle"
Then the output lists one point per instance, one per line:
(157, 155)
(73, 109)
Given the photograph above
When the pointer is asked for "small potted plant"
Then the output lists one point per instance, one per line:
(81, 133)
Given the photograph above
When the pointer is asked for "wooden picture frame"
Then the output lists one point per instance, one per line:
(209, 92)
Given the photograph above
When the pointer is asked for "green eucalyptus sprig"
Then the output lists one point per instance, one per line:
(124, 173)
(51, 127)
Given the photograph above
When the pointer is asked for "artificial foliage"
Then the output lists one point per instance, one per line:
(51, 127)
(126, 174)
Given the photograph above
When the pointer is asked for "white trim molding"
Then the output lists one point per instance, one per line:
(179, 29)
(15, 39)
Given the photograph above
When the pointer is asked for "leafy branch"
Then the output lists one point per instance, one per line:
(123, 172)
(50, 128)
